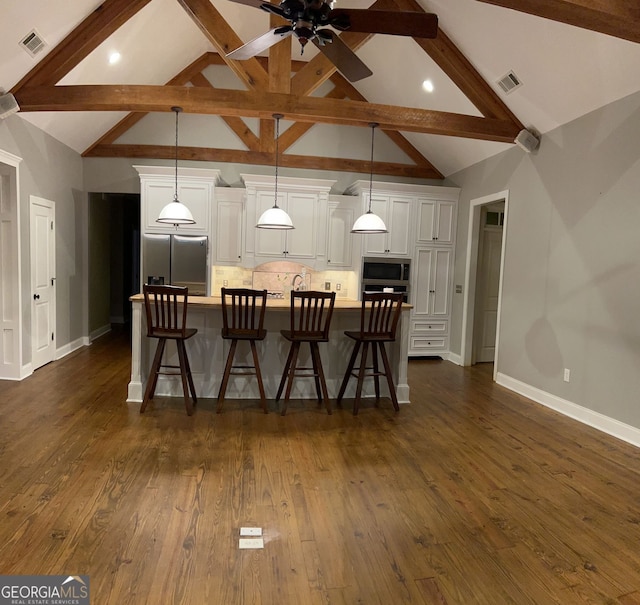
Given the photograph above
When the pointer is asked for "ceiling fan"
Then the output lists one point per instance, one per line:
(310, 20)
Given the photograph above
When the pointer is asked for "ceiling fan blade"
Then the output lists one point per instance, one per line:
(414, 24)
(343, 58)
(260, 44)
(254, 3)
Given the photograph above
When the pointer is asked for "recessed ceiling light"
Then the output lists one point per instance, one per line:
(428, 85)
(114, 57)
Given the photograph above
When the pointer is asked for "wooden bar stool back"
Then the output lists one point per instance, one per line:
(166, 311)
(379, 318)
(310, 321)
(242, 319)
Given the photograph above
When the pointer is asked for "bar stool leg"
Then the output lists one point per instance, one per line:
(285, 374)
(376, 370)
(317, 362)
(189, 375)
(256, 364)
(347, 374)
(152, 380)
(226, 375)
(183, 374)
(363, 363)
(389, 375)
(292, 370)
(316, 374)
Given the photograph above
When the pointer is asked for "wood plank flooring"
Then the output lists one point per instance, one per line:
(469, 495)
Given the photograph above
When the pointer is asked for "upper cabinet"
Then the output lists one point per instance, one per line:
(305, 200)
(436, 221)
(229, 226)
(195, 191)
(396, 212)
(341, 215)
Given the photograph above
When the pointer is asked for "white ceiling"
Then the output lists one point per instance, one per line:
(566, 71)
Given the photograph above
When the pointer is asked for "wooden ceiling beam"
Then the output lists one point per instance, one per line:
(85, 38)
(222, 36)
(204, 154)
(618, 18)
(262, 105)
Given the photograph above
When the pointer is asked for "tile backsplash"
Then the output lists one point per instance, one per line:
(277, 276)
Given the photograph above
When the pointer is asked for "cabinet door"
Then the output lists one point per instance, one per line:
(436, 221)
(196, 196)
(399, 226)
(301, 241)
(155, 196)
(229, 232)
(377, 243)
(422, 287)
(441, 280)
(339, 238)
(269, 242)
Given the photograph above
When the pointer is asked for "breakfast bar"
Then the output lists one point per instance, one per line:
(208, 351)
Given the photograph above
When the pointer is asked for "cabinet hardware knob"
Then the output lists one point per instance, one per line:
(36, 296)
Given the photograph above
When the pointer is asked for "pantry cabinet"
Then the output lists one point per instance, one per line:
(229, 226)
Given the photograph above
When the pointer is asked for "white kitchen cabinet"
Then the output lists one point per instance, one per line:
(340, 241)
(305, 200)
(195, 191)
(436, 221)
(431, 291)
(396, 212)
(228, 225)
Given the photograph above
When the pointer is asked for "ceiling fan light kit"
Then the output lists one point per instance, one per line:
(275, 217)
(369, 222)
(176, 213)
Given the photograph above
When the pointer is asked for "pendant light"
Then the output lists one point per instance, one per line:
(176, 213)
(370, 222)
(275, 217)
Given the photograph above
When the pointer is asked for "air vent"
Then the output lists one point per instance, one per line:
(509, 82)
(33, 43)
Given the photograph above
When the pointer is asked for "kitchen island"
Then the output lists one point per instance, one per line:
(208, 352)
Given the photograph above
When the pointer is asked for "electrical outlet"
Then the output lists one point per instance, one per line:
(338, 286)
(225, 282)
(327, 285)
(567, 374)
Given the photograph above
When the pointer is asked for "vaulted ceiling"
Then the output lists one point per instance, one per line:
(175, 56)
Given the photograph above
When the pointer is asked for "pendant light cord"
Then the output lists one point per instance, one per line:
(175, 195)
(277, 116)
(373, 129)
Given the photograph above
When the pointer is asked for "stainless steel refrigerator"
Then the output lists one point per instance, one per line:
(179, 260)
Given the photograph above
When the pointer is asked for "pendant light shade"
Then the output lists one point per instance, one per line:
(176, 213)
(275, 217)
(370, 222)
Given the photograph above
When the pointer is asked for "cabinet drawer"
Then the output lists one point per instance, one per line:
(426, 327)
(426, 344)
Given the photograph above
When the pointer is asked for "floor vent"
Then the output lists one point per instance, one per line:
(509, 82)
(33, 43)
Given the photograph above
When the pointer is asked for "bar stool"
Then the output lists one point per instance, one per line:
(166, 322)
(378, 322)
(310, 321)
(242, 319)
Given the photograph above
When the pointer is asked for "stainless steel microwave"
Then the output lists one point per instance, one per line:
(386, 270)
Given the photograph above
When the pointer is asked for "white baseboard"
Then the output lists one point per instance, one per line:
(599, 421)
(71, 347)
(454, 358)
(100, 332)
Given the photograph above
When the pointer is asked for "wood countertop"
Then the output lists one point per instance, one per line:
(215, 302)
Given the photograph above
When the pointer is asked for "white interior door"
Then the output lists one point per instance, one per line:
(487, 293)
(43, 282)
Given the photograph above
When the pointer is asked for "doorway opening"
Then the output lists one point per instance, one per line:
(483, 279)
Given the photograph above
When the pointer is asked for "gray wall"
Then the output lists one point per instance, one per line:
(52, 171)
(572, 268)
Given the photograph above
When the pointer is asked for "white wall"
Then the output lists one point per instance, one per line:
(572, 269)
(52, 171)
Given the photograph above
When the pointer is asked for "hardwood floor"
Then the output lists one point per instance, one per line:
(469, 495)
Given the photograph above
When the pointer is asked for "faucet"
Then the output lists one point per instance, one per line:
(301, 285)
